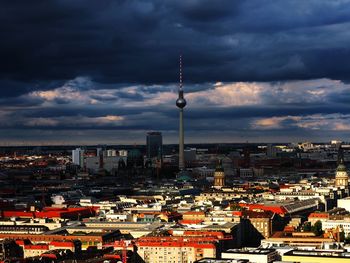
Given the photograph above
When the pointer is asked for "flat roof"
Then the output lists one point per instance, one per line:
(212, 260)
(318, 253)
(262, 251)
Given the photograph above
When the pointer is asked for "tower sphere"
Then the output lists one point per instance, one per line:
(181, 103)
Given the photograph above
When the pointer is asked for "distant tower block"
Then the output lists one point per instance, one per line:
(181, 103)
(219, 175)
(154, 144)
(341, 176)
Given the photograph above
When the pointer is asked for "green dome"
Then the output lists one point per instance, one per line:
(184, 176)
(341, 168)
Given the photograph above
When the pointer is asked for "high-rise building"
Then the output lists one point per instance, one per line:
(154, 143)
(181, 103)
(190, 154)
(78, 156)
(99, 151)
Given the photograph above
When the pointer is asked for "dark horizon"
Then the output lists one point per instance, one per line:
(188, 145)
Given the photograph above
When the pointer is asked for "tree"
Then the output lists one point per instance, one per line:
(347, 239)
(317, 228)
(307, 227)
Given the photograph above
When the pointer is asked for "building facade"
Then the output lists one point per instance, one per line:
(219, 176)
(164, 252)
(154, 142)
(78, 157)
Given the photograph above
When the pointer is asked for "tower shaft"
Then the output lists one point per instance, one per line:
(181, 141)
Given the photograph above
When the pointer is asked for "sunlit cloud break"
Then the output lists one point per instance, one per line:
(331, 122)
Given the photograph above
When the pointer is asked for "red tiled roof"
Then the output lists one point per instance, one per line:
(49, 255)
(180, 239)
(20, 242)
(111, 256)
(289, 229)
(256, 214)
(275, 209)
(52, 212)
(39, 247)
(194, 213)
(61, 244)
(319, 215)
(237, 213)
(175, 244)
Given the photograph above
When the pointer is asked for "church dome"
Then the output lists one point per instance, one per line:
(341, 168)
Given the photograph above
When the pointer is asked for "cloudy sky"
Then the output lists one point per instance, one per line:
(92, 71)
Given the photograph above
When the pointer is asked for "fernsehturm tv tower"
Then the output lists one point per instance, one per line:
(181, 103)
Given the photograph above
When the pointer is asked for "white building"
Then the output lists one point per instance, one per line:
(123, 153)
(110, 163)
(111, 153)
(342, 225)
(254, 255)
(344, 203)
(78, 156)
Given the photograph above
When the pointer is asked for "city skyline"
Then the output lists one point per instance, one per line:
(256, 71)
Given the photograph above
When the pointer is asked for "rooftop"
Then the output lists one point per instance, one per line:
(318, 253)
(254, 251)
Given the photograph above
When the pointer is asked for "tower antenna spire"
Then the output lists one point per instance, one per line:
(180, 72)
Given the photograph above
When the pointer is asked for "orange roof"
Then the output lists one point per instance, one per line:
(256, 214)
(61, 244)
(319, 215)
(18, 214)
(39, 247)
(284, 186)
(175, 244)
(237, 213)
(111, 256)
(275, 209)
(53, 256)
(201, 235)
(217, 234)
(52, 212)
(289, 229)
(20, 242)
(177, 239)
(193, 213)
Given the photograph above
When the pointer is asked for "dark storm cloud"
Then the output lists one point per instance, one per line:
(139, 41)
(263, 111)
(20, 102)
(86, 111)
(130, 96)
(206, 11)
